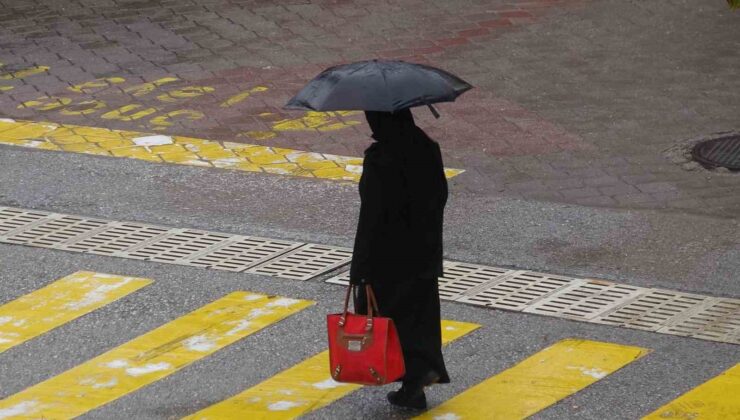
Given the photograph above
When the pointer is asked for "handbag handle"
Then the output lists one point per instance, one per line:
(372, 306)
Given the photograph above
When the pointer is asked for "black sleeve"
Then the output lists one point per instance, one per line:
(371, 214)
(445, 191)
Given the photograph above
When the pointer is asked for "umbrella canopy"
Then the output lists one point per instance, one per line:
(378, 85)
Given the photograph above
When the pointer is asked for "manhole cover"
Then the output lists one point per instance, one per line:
(724, 152)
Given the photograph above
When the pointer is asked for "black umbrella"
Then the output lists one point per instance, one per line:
(378, 85)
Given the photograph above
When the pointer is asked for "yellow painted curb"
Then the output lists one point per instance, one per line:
(181, 150)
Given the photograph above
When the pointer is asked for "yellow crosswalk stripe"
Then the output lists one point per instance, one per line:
(718, 398)
(537, 382)
(300, 389)
(150, 357)
(60, 302)
(181, 150)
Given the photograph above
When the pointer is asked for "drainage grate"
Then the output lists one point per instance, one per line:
(117, 239)
(13, 220)
(458, 279)
(516, 292)
(652, 310)
(53, 230)
(723, 151)
(461, 279)
(584, 300)
(242, 252)
(191, 247)
(341, 279)
(177, 246)
(715, 319)
(596, 301)
(305, 262)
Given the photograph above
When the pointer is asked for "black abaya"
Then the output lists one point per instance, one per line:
(398, 246)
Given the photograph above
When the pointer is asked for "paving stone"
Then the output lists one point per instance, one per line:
(598, 201)
(556, 113)
(654, 187)
(580, 193)
(618, 189)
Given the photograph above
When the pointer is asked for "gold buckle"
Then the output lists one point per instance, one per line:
(337, 370)
(377, 377)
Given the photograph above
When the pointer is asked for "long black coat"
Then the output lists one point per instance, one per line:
(398, 247)
(403, 191)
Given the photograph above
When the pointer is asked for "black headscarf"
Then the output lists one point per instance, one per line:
(392, 128)
(403, 191)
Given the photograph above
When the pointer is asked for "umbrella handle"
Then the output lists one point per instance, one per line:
(434, 111)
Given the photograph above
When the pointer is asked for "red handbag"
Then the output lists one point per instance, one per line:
(364, 349)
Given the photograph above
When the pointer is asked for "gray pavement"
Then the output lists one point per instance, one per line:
(674, 366)
(666, 249)
(576, 173)
(636, 247)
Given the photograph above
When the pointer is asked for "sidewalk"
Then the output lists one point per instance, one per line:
(576, 101)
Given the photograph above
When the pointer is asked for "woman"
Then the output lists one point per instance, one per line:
(398, 246)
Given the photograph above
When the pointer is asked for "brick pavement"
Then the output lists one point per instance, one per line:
(577, 101)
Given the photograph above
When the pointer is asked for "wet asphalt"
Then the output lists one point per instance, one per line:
(647, 248)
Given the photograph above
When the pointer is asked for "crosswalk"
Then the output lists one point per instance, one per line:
(61, 302)
(539, 381)
(301, 389)
(549, 375)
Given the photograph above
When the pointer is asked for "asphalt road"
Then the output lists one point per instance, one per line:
(640, 248)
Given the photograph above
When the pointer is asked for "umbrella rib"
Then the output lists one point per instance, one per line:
(385, 81)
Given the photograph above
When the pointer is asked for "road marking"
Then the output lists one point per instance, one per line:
(60, 302)
(301, 389)
(96, 85)
(181, 150)
(150, 357)
(718, 398)
(310, 121)
(539, 381)
(239, 97)
(149, 87)
(20, 74)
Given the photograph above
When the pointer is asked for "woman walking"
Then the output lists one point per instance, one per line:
(398, 246)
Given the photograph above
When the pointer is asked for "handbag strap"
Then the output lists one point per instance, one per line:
(372, 306)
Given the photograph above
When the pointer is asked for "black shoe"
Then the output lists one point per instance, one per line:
(411, 394)
(408, 397)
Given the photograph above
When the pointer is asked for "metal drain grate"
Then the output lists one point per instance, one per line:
(53, 230)
(219, 251)
(12, 220)
(305, 262)
(516, 292)
(723, 151)
(242, 252)
(458, 279)
(583, 300)
(652, 310)
(177, 246)
(461, 279)
(341, 279)
(118, 238)
(662, 311)
(715, 319)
